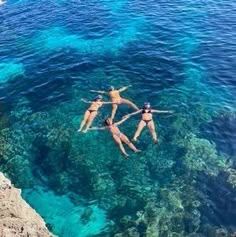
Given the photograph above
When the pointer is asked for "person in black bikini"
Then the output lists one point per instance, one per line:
(91, 112)
(147, 120)
(117, 135)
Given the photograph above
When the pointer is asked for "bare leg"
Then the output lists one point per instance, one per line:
(86, 116)
(131, 145)
(119, 143)
(151, 127)
(128, 102)
(90, 120)
(141, 125)
(114, 109)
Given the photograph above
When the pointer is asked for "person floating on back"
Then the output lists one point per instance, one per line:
(117, 99)
(117, 135)
(91, 112)
(146, 120)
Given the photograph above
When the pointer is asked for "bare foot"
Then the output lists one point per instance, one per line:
(137, 151)
(85, 131)
(79, 130)
(134, 139)
(126, 155)
(156, 141)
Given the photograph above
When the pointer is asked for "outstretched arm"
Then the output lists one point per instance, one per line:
(163, 111)
(97, 128)
(108, 103)
(134, 113)
(124, 88)
(89, 102)
(121, 121)
(86, 101)
(100, 92)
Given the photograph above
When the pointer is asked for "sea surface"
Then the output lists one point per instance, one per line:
(177, 55)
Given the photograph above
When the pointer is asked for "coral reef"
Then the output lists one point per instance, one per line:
(201, 155)
(232, 177)
(151, 195)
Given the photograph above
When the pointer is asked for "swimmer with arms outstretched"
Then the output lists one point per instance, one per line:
(117, 99)
(91, 112)
(117, 135)
(147, 120)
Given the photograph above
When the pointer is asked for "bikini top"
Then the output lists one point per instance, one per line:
(97, 105)
(144, 111)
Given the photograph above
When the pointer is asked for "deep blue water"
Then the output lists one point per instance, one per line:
(177, 55)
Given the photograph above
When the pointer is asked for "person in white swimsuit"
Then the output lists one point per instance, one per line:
(117, 135)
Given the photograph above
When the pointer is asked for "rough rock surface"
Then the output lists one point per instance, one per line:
(17, 218)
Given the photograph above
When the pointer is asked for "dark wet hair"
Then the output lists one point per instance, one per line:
(99, 97)
(106, 121)
(111, 88)
(147, 105)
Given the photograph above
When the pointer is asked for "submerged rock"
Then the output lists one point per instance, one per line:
(10, 70)
(17, 218)
(86, 215)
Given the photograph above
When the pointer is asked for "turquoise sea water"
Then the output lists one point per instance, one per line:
(178, 55)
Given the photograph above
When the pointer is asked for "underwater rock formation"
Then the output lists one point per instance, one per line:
(10, 70)
(58, 38)
(232, 177)
(17, 218)
(153, 194)
(201, 155)
(16, 149)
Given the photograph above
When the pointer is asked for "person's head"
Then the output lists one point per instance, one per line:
(98, 98)
(147, 105)
(108, 121)
(111, 88)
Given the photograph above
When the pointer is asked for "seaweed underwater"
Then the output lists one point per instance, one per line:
(82, 186)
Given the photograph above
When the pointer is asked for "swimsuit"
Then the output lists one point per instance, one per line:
(91, 110)
(117, 103)
(118, 134)
(147, 121)
(94, 110)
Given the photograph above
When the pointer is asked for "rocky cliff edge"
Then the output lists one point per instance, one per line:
(17, 218)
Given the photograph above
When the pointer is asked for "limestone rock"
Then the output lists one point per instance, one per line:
(17, 218)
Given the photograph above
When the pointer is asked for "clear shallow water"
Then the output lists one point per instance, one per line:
(178, 55)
